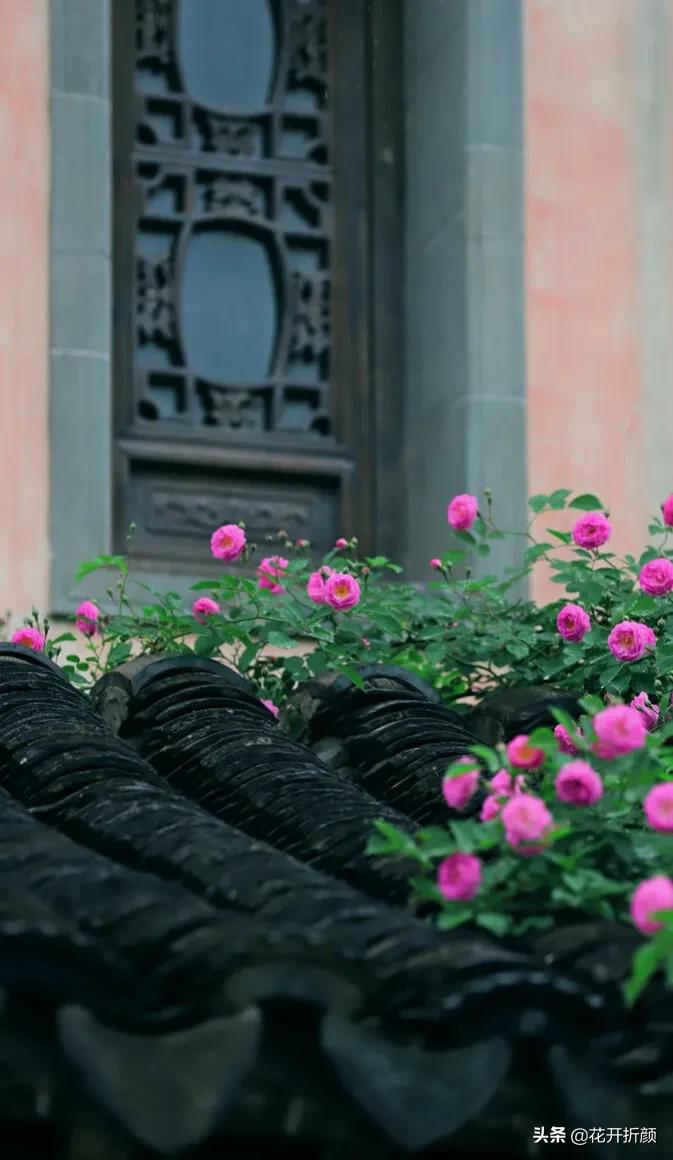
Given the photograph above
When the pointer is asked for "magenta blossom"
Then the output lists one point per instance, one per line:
(619, 729)
(578, 784)
(459, 877)
(650, 896)
(648, 709)
(270, 572)
(459, 788)
(204, 607)
(565, 741)
(656, 577)
(342, 591)
(315, 587)
(87, 616)
(228, 542)
(629, 639)
(573, 623)
(341, 543)
(526, 819)
(592, 530)
(435, 562)
(29, 637)
(658, 807)
(271, 707)
(504, 784)
(667, 511)
(490, 808)
(462, 512)
(524, 755)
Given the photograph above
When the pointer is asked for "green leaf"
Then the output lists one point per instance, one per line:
(397, 842)
(466, 537)
(118, 562)
(645, 964)
(280, 640)
(205, 644)
(449, 919)
(118, 654)
(537, 503)
(586, 502)
(564, 537)
(247, 657)
(353, 675)
(535, 552)
(497, 923)
(489, 756)
(454, 556)
(557, 499)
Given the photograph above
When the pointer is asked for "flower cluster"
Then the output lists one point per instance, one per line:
(530, 823)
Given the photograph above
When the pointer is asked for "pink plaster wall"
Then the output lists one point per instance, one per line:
(585, 427)
(24, 198)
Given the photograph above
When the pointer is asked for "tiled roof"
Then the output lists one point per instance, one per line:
(196, 946)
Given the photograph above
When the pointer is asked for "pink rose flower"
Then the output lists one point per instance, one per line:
(204, 607)
(270, 572)
(301, 543)
(573, 623)
(652, 895)
(435, 562)
(658, 807)
(524, 755)
(565, 741)
(619, 729)
(578, 784)
(29, 637)
(648, 709)
(627, 641)
(459, 788)
(667, 511)
(462, 512)
(342, 591)
(459, 877)
(271, 707)
(504, 784)
(315, 587)
(656, 577)
(648, 636)
(490, 808)
(87, 616)
(526, 819)
(228, 542)
(341, 543)
(592, 530)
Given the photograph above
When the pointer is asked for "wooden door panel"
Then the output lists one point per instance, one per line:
(241, 300)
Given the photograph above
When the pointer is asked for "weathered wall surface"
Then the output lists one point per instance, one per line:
(24, 275)
(599, 254)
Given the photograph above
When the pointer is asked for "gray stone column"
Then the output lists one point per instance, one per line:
(465, 422)
(80, 353)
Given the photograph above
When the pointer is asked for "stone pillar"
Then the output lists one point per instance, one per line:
(465, 422)
(81, 311)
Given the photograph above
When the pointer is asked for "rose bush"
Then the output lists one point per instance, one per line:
(592, 833)
(578, 817)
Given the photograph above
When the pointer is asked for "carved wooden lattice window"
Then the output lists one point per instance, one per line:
(240, 374)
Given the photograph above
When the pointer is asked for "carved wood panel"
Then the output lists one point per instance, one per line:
(234, 326)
